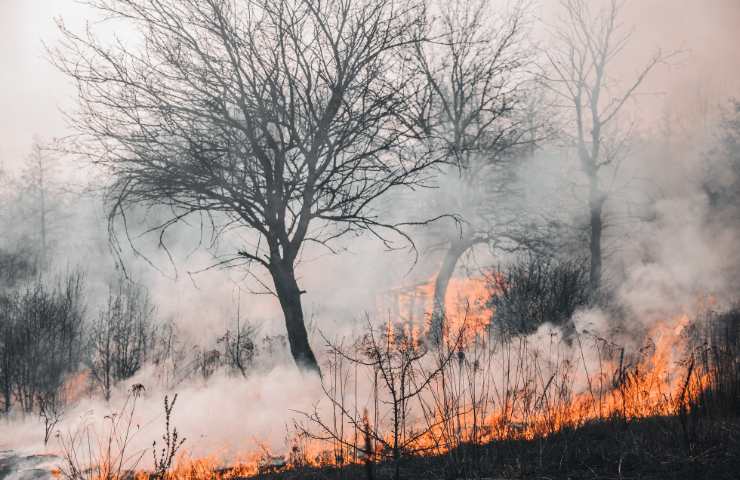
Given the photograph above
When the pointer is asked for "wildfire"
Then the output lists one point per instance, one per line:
(539, 399)
(498, 389)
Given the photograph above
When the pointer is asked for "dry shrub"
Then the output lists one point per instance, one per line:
(536, 289)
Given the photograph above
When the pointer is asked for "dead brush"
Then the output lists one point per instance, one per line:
(711, 390)
(456, 403)
(395, 360)
(91, 455)
(171, 440)
(461, 409)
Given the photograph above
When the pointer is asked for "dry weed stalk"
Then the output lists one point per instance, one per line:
(172, 443)
(92, 455)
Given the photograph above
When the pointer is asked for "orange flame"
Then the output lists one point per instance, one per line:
(535, 398)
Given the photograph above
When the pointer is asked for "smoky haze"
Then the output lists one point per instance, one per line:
(665, 249)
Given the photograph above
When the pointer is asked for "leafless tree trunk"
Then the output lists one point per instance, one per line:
(51, 409)
(9, 350)
(289, 295)
(40, 169)
(37, 181)
(455, 250)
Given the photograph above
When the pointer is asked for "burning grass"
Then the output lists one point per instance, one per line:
(551, 404)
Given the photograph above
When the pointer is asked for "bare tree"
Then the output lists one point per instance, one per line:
(239, 345)
(722, 176)
(37, 180)
(16, 265)
(9, 349)
(473, 61)
(277, 117)
(32, 209)
(580, 74)
(122, 336)
(29, 212)
(40, 342)
(51, 409)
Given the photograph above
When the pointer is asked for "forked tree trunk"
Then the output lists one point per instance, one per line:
(289, 295)
(456, 250)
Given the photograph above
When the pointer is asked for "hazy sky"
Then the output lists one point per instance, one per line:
(31, 91)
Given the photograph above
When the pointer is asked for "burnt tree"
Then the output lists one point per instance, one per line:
(283, 118)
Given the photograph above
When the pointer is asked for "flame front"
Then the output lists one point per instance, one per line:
(492, 388)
